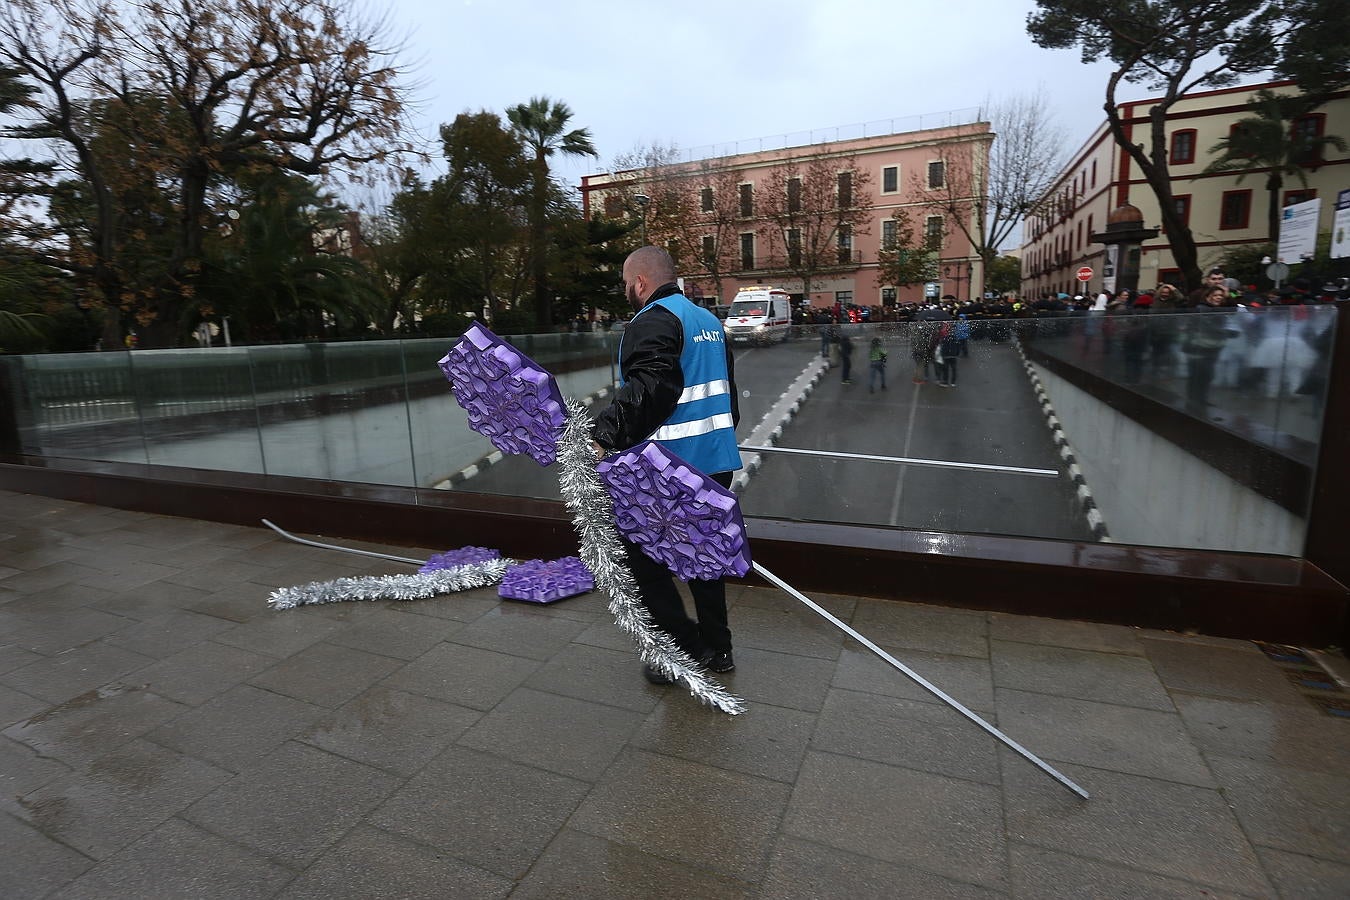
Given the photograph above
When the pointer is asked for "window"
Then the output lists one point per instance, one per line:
(1183, 207)
(1079, 239)
(748, 250)
(1305, 131)
(845, 189)
(613, 206)
(705, 200)
(709, 252)
(1302, 195)
(794, 194)
(888, 234)
(794, 247)
(843, 297)
(747, 200)
(845, 245)
(890, 179)
(932, 232)
(937, 174)
(1183, 146)
(1094, 173)
(888, 296)
(1235, 210)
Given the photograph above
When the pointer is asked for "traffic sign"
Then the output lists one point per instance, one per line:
(1085, 273)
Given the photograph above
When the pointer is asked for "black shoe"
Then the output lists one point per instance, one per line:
(718, 661)
(656, 677)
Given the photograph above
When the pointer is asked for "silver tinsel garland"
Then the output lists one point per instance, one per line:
(601, 551)
(393, 587)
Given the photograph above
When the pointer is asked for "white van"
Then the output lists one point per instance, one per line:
(760, 315)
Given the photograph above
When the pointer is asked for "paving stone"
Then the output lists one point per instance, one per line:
(211, 576)
(32, 865)
(911, 626)
(1046, 874)
(1288, 809)
(739, 596)
(54, 634)
(241, 603)
(1273, 733)
(90, 725)
(293, 804)
(794, 630)
(1082, 674)
(372, 864)
(780, 679)
(393, 633)
(101, 808)
(587, 672)
(966, 679)
(1306, 877)
(516, 630)
(1120, 738)
(129, 573)
(1093, 636)
(279, 633)
(607, 635)
(48, 577)
(560, 734)
(1170, 829)
(949, 827)
(202, 671)
(769, 743)
(489, 812)
(466, 676)
(682, 810)
(802, 870)
(923, 736)
(23, 769)
(581, 865)
(178, 859)
(238, 728)
(465, 606)
(75, 672)
(15, 706)
(37, 554)
(1235, 671)
(54, 604)
(326, 675)
(167, 634)
(151, 600)
(391, 730)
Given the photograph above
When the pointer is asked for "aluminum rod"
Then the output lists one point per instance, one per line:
(299, 540)
(906, 460)
(923, 682)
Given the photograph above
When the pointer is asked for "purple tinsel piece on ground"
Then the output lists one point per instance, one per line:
(544, 582)
(676, 514)
(509, 398)
(453, 559)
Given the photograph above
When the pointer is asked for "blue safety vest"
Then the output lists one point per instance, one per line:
(700, 430)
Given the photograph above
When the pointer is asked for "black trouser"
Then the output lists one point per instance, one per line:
(657, 590)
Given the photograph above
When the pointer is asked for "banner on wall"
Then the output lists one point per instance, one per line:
(1340, 226)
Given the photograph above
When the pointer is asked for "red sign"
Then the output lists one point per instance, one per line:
(1085, 273)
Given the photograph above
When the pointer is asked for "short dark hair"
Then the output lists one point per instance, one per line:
(1216, 271)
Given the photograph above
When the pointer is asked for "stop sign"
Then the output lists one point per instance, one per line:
(1085, 273)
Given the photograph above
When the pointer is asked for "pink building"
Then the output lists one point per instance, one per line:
(752, 218)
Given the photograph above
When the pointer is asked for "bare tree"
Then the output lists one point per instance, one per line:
(987, 188)
(813, 209)
(185, 95)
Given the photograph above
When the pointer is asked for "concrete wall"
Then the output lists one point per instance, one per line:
(1150, 491)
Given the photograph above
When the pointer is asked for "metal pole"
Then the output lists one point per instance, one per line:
(923, 682)
(299, 540)
(906, 460)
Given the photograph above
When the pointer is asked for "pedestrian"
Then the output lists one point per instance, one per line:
(678, 388)
(1205, 339)
(948, 349)
(876, 371)
(845, 355)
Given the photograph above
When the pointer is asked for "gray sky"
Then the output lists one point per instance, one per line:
(694, 73)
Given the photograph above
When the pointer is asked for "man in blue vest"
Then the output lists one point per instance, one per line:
(678, 388)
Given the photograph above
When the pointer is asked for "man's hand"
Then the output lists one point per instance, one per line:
(599, 451)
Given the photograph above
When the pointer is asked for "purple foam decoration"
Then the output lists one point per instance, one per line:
(678, 516)
(509, 398)
(453, 559)
(537, 581)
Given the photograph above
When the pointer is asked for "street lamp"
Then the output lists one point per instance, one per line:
(642, 200)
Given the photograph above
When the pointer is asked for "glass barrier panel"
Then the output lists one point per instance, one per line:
(78, 406)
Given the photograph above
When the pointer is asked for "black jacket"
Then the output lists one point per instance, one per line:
(652, 378)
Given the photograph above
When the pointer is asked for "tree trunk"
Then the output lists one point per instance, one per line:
(543, 307)
(1273, 185)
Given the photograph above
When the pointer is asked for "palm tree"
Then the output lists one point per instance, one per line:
(1266, 141)
(541, 125)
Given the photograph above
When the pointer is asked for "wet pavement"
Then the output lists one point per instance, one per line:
(164, 734)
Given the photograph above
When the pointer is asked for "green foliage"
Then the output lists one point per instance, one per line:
(1003, 275)
(907, 260)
